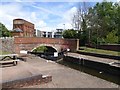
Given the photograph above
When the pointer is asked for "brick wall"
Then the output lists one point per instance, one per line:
(28, 43)
(110, 47)
(113, 47)
(25, 26)
(14, 45)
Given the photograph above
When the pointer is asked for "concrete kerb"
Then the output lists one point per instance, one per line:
(33, 80)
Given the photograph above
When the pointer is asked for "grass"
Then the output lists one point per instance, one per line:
(99, 51)
(4, 53)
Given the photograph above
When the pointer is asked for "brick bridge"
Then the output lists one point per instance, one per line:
(30, 43)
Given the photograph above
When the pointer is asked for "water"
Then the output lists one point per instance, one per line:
(93, 72)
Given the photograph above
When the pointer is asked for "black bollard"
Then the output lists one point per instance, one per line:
(82, 61)
(14, 57)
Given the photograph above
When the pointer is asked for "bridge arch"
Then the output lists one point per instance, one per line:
(30, 43)
(48, 46)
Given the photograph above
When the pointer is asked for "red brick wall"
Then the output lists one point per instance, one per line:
(110, 47)
(32, 42)
(27, 27)
(113, 47)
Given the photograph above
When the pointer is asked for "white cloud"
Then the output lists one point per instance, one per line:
(69, 14)
(33, 15)
(65, 25)
(118, 0)
(48, 29)
(67, 19)
(10, 11)
(46, 10)
(6, 14)
(40, 24)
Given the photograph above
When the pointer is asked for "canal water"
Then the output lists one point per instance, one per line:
(93, 72)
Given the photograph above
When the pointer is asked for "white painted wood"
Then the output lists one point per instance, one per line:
(9, 55)
(55, 54)
(23, 52)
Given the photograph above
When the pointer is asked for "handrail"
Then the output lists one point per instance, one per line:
(8, 55)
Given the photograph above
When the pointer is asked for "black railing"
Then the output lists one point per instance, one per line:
(49, 55)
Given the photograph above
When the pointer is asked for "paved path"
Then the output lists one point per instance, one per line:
(62, 77)
(22, 70)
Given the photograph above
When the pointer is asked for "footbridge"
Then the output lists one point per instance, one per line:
(30, 43)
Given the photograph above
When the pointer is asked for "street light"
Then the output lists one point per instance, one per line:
(64, 26)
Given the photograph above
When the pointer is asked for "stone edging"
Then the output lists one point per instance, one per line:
(34, 80)
(93, 64)
(100, 55)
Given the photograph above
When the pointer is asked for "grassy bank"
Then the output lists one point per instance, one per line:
(3, 53)
(99, 51)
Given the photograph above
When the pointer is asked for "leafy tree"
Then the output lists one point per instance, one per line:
(99, 24)
(112, 37)
(69, 34)
(102, 21)
(40, 49)
(4, 32)
(84, 33)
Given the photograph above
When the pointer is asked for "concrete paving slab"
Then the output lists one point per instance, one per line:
(22, 70)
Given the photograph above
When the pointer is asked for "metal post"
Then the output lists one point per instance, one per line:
(64, 26)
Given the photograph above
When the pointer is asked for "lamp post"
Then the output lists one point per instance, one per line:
(64, 26)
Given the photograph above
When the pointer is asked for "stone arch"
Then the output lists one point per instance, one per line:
(48, 45)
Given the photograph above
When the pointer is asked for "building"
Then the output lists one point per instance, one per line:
(41, 33)
(38, 33)
(17, 32)
(44, 34)
(55, 34)
(49, 34)
(23, 28)
(58, 33)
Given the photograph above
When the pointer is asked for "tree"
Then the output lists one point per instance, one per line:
(4, 32)
(79, 23)
(70, 34)
(40, 49)
(102, 20)
(76, 20)
(112, 37)
(79, 16)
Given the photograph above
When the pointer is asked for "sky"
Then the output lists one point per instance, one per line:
(46, 15)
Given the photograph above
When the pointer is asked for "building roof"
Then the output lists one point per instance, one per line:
(22, 20)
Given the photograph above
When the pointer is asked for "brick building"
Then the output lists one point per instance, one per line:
(23, 28)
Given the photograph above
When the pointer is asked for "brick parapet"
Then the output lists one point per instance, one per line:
(29, 43)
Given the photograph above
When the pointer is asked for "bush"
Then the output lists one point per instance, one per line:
(40, 49)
